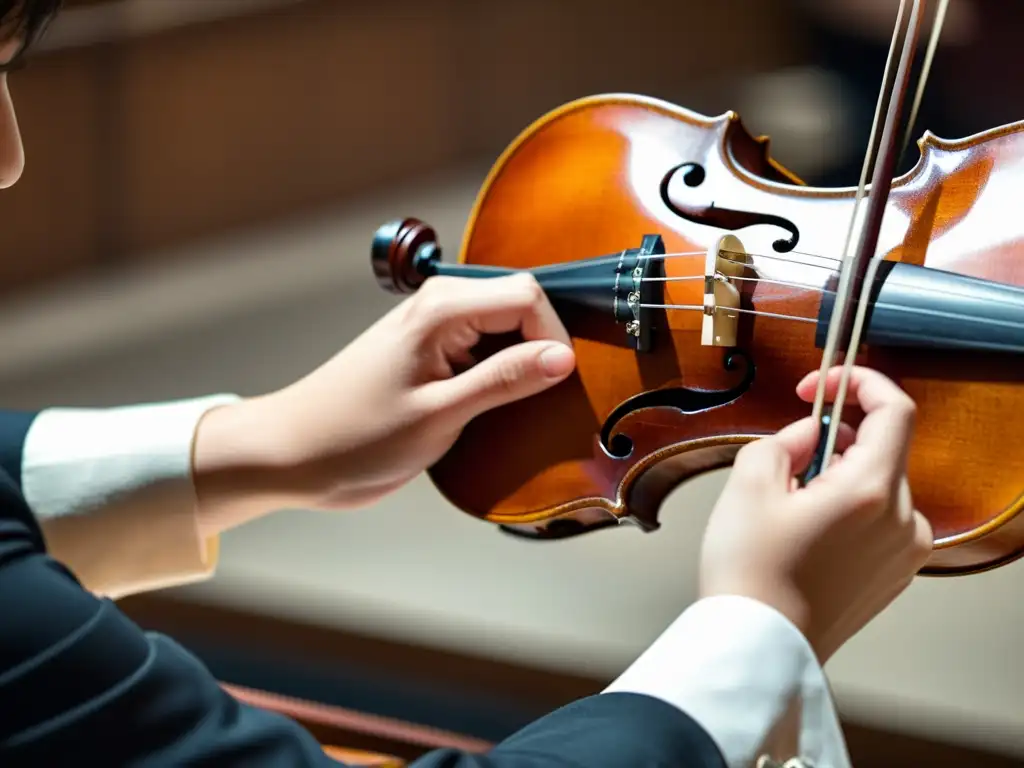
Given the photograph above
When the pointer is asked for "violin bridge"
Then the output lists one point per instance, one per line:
(725, 261)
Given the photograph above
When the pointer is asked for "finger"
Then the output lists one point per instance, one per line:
(870, 388)
(798, 442)
(807, 388)
(887, 426)
(845, 440)
(512, 374)
(493, 305)
(773, 460)
(815, 482)
(461, 359)
(834, 461)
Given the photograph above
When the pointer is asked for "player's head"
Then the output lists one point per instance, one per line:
(21, 24)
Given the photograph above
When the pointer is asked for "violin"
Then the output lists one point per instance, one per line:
(700, 281)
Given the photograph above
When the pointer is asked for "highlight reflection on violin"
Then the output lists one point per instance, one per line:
(698, 278)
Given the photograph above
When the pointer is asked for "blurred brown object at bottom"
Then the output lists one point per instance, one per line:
(366, 735)
(356, 757)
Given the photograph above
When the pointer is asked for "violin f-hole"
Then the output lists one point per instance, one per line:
(620, 446)
(729, 219)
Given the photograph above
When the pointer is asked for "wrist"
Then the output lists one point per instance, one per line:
(784, 599)
(237, 473)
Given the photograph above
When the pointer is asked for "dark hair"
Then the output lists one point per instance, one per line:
(26, 19)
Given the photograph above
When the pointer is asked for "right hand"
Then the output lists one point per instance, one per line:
(833, 555)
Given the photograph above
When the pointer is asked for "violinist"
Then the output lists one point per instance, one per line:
(100, 503)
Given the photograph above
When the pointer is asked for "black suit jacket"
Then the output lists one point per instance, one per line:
(80, 684)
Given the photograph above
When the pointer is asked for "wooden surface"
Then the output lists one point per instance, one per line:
(338, 729)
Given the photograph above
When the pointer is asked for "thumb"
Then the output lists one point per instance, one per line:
(772, 461)
(514, 373)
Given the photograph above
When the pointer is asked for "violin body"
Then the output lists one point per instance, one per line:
(645, 411)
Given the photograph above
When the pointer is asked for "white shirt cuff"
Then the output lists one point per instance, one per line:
(742, 670)
(77, 460)
(113, 492)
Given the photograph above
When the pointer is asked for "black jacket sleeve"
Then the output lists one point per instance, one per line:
(14, 426)
(80, 684)
(613, 730)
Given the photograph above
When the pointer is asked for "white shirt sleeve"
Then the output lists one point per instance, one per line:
(112, 489)
(745, 674)
(76, 460)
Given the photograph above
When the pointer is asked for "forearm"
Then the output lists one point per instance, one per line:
(245, 465)
(235, 479)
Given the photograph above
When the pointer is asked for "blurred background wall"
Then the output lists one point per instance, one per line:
(203, 180)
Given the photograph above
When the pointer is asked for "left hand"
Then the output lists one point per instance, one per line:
(391, 403)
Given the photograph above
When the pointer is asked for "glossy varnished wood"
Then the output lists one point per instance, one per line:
(587, 180)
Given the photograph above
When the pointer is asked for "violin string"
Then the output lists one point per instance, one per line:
(692, 254)
(885, 305)
(769, 280)
(827, 291)
(794, 283)
(890, 282)
(788, 283)
(774, 258)
(831, 292)
(758, 312)
(787, 259)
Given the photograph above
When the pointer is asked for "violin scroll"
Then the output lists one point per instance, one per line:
(403, 255)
